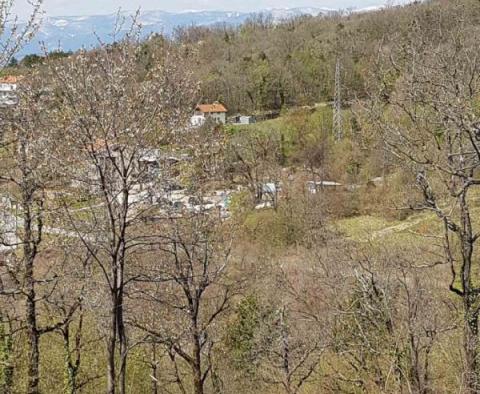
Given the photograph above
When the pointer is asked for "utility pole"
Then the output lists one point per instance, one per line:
(337, 103)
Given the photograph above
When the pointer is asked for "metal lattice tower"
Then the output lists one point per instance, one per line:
(337, 103)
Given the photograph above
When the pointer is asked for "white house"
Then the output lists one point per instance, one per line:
(216, 111)
(8, 90)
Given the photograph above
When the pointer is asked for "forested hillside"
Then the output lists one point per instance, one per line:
(329, 247)
(263, 65)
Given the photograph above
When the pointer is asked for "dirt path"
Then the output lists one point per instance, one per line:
(395, 229)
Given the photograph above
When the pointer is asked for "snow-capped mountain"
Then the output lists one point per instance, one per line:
(70, 33)
(74, 32)
(279, 14)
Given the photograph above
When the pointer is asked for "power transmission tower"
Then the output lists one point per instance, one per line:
(337, 103)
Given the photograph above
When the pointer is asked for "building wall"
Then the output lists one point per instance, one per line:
(8, 94)
(8, 87)
(199, 117)
(247, 120)
(220, 117)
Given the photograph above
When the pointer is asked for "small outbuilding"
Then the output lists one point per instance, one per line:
(314, 187)
(244, 119)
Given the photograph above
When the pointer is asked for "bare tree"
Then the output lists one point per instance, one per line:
(187, 280)
(425, 109)
(292, 357)
(27, 179)
(390, 322)
(112, 115)
(71, 294)
(254, 158)
(14, 34)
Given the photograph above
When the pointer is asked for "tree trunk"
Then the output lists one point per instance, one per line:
(71, 366)
(471, 343)
(122, 339)
(112, 342)
(154, 366)
(282, 97)
(6, 359)
(71, 381)
(470, 299)
(33, 334)
(120, 265)
(285, 353)
(71, 384)
(197, 366)
(154, 378)
(33, 342)
(197, 380)
(117, 334)
(197, 352)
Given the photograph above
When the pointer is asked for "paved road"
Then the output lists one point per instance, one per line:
(8, 231)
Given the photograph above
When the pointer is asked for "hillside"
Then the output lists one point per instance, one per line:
(279, 203)
(263, 66)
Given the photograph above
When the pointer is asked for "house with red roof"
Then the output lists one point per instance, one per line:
(216, 111)
(8, 90)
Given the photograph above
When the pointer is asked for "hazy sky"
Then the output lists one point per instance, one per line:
(90, 7)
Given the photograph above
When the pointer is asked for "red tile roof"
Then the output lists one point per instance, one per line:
(9, 79)
(211, 108)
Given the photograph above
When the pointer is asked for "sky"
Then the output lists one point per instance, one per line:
(98, 7)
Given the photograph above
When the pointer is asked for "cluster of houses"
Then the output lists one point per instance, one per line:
(152, 162)
(149, 166)
(170, 196)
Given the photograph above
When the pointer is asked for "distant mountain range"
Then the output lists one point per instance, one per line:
(74, 32)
